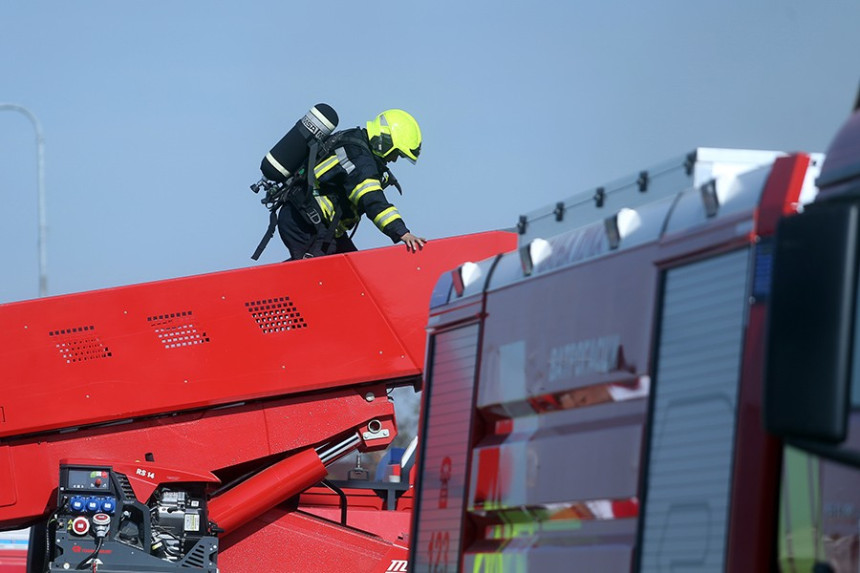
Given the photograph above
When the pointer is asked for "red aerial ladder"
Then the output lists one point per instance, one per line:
(174, 425)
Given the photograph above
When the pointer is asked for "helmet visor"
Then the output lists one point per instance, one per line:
(411, 155)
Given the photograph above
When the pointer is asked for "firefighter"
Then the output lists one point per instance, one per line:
(349, 182)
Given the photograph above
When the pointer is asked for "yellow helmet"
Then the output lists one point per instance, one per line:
(395, 131)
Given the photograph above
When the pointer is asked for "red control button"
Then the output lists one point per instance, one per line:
(80, 525)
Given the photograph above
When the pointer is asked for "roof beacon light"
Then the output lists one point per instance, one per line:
(465, 276)
(534, 254)
(710, 198)
(620, 225)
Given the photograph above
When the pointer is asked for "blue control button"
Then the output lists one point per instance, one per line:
(108, 505)
(93, 504)
(78, 503)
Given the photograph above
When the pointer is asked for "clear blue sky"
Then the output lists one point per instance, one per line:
(156, 114)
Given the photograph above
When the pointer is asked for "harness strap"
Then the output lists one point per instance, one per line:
(302, 197)
(323, 242)
(270, 232)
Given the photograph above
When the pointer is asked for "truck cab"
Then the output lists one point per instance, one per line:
(812, 391)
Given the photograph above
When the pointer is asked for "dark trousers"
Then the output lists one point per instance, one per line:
(299, 234)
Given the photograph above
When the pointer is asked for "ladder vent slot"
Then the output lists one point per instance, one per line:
(177, 330)
(79, 344)
(276, 315)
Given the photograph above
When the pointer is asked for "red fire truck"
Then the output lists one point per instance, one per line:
(594, 399)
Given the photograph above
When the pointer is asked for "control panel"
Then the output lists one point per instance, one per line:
(100, 525)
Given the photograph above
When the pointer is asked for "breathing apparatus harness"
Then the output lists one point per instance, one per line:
(298, 190)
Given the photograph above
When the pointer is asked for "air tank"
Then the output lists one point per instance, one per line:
(290, 153)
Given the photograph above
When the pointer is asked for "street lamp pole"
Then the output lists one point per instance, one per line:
(43, 233)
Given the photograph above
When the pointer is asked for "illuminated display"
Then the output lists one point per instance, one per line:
(88, 479)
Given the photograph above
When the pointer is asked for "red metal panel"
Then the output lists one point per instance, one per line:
(13, 560)
(781, 192)
(13, 552)
(145, 477)
(365, 511)
(205, 441)
(8, 495)
(283, 540)
(754, 503)
(230, 336)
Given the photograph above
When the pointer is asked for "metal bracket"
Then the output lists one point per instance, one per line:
(522, 224)
(689, 163)
(375, 435)
(642, 182)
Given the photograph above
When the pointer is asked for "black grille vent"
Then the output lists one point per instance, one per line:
(276, 315)
(177, 330)
(196, 558)
(125, 486)
(79, 344)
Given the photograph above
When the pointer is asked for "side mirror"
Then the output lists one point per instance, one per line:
(811, 334)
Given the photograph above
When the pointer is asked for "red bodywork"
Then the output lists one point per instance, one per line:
(224, 374)
(13, 560)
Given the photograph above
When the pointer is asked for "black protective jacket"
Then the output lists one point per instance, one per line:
(351, 176)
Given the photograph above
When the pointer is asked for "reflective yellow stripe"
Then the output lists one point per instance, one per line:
(386, 217)
(363, 189)
(321, 168)
(327, 206)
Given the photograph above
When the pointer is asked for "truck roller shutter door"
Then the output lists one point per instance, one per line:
(446, 434)
(693, 420)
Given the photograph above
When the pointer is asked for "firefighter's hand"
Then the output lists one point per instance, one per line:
(413, 243)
